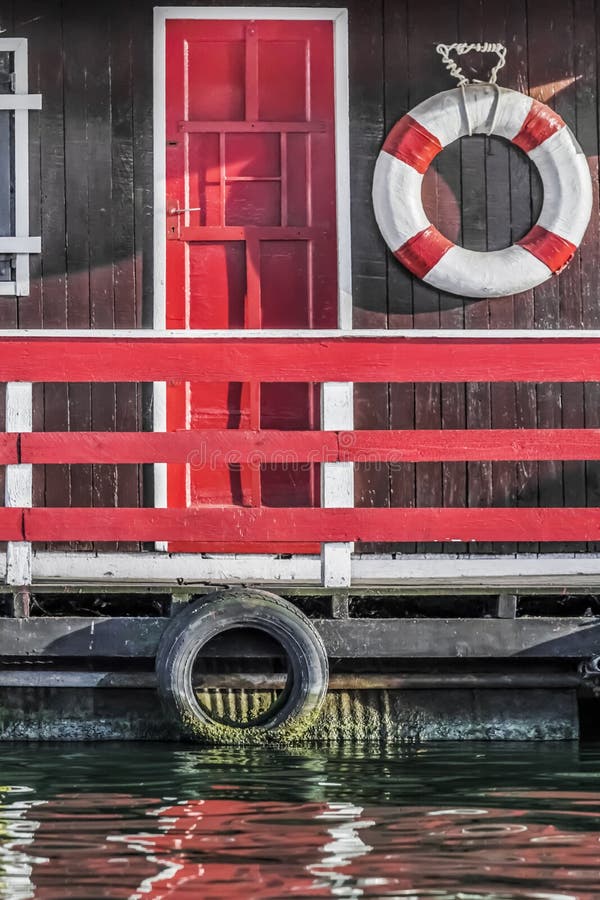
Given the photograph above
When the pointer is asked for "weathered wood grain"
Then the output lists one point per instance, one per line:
(368, 127)
(57, 678)
(46, 56)
(98, 99)
(398, 399)
(550, 574)
(127, 300)
(566, 638)
(585, 70)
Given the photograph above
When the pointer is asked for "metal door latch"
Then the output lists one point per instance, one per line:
(176, 211)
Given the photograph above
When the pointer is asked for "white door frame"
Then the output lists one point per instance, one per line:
(339, 17)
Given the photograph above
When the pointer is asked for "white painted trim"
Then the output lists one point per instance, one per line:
(20, 101)
(21, 146)
(20, 244)
(473, 334)
(159, 150)
(435, 569)
(337, 406)
(18, 564)
(13, 45)
(337, 480)
(299, 13)
(19, 480)
(159, 423)
(159, 408)
(150, 568)
(342, 167)
(19, 406)
(17, 489)
(520, 571)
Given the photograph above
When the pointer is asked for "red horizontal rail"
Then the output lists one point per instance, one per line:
(219, 447)
(200, 448)
(8, 449)
(192, 126)
(451, 445)
(12, 524)
(222, 524)
(243, 232)
(299, 359)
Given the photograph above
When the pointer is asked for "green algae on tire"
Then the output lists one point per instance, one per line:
(294, 712)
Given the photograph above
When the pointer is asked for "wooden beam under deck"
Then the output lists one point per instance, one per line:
(45, 677)
(543, 638)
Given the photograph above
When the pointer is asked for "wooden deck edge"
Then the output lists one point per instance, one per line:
(554, 573)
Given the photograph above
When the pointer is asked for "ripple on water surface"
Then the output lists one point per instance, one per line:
(445, 821)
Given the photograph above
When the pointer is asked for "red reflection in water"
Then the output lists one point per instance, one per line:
(121, 846)
(231, 848)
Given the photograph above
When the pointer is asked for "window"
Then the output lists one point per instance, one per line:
(15, 103)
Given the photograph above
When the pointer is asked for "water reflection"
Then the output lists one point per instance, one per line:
(457, 822)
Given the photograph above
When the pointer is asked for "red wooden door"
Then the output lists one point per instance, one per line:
(251, 233)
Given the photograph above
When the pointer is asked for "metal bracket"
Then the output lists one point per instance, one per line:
(590, 668)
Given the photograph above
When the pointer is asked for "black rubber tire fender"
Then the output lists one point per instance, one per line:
(209, 616)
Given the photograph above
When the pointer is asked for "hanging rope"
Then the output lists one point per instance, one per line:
(460, 49)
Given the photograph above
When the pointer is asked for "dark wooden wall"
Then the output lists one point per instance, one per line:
(91, 200)
(484, 195)
(91, 192)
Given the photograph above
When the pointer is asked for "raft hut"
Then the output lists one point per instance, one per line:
(300, 364)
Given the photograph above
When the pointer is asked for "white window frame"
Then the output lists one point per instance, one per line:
(336, 399)
(21, 244)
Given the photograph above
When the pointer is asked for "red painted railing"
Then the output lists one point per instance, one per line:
(270, 359)
(229, 447)
(310, 359)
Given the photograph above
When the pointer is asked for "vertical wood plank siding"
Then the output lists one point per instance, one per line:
(92, 215)
(91, 199)
(482, 193)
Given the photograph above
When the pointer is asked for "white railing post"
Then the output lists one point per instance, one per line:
(18, 480)
(337, 480)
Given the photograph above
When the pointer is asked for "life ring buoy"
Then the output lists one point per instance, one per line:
(420, 135)
(190, 630)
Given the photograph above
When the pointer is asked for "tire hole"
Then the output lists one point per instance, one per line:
(241, 677)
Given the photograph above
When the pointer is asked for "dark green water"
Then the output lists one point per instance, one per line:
(445, 821)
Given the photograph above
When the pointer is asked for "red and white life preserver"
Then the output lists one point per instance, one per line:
(420, 135)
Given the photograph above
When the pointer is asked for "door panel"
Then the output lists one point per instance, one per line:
(251, 232)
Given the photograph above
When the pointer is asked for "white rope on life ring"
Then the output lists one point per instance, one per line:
(420, 135)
